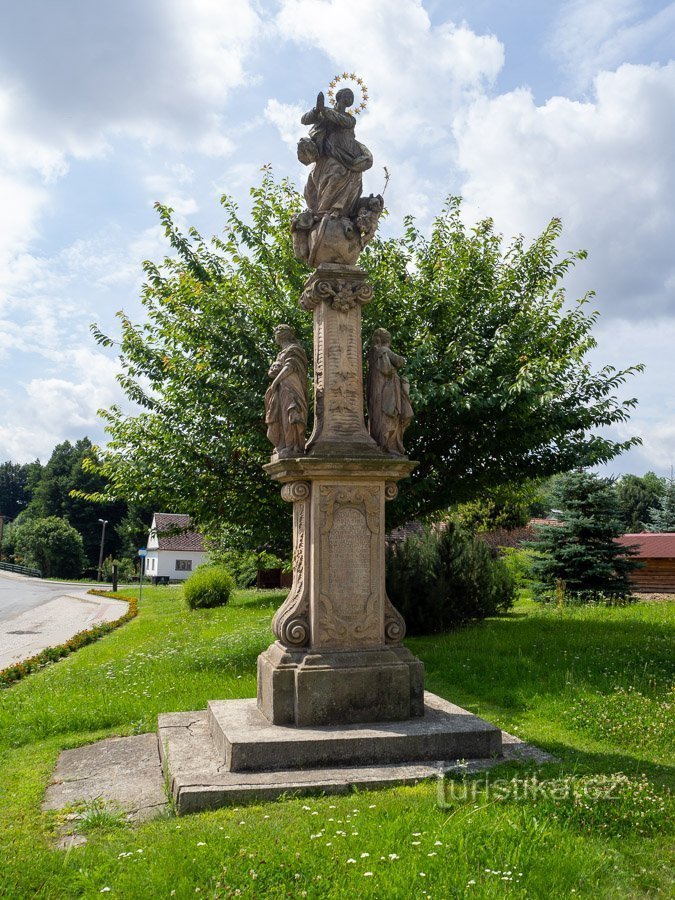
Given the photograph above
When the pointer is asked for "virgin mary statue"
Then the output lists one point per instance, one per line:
(335, 183)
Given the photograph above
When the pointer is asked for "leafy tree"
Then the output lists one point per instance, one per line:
(636, 495)
(506, 506)
(662, 517)
(496, 358)
(60, 489)
(581, 556)
(14, 487)
(133, 529)
(49, 544)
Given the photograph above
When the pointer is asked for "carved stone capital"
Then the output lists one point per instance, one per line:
(295, 491)
(342, 287)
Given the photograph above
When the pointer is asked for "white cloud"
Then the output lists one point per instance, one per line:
(286, 118)
(43, 408)
(591, 35)
(155, 71)
(604, 166)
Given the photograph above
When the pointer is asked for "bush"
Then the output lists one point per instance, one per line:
(125, 569)
(208, 586)
(519, 562)
(441, 581)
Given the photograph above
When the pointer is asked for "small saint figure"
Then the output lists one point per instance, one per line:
(287, 398)
(388, 394)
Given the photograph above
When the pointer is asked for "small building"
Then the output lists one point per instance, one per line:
(656, 552)
(174, 552)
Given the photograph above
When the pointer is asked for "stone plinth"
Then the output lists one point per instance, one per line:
(247, 742)
(338, 657)
(307, 688)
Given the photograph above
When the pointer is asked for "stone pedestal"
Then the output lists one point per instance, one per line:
(338, 657)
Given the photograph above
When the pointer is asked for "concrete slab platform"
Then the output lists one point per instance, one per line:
(125, 772)
(247, 742)
(199, 779)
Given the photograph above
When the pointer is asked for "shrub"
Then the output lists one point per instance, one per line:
(441, 581)
(208, 586)
(519, 561)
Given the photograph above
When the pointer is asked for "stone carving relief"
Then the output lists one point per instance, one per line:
(287, 398)
(291, 621)
(388, 395)
(338, 221)
(350, 609)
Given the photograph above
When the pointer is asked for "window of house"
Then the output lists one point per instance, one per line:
(183, 565)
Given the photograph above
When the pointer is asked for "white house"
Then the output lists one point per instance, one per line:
(173, 553)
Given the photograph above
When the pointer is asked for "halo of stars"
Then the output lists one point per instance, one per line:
(363, 88)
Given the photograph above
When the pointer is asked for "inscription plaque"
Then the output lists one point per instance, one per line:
(349, 566)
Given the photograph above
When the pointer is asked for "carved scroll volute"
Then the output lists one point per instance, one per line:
(394, 623)
(291, 622)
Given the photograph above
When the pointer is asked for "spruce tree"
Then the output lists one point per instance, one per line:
(581, 557)
(662, 517)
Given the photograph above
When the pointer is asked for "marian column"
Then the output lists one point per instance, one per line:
(338, 657)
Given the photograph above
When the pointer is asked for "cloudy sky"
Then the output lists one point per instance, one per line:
(527, 109)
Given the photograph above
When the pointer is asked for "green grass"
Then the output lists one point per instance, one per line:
(594, 686)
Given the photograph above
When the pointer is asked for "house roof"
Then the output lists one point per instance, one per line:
(650, 545)
(168, 536)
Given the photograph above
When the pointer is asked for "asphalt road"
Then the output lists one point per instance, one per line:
(36, 614)
(18, 594)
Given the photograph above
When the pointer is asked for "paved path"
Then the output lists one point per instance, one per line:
(36, 614)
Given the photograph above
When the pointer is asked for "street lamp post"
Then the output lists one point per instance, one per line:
(103, 522)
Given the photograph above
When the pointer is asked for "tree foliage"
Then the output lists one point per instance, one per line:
(636, 495)
(661, 517)
(496, 358)
(581, 557)
(14, 487)
(59, 489)
(49, 544)
(505, 506)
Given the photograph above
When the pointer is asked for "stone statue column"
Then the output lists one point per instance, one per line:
(338, 657)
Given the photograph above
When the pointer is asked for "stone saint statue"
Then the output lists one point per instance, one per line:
(338, 221)
(389, 409)
(287, 398)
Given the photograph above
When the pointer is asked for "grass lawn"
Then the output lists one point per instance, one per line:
(594, 686)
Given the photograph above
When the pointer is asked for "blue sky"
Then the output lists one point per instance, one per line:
(527, 109)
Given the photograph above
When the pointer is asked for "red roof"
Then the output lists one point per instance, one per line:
(650, 545)
(170, 538)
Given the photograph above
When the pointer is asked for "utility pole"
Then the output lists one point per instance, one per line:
(103, 522)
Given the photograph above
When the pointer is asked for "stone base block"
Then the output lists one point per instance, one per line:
(198, 748)
(246, 742)
(340, 687)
